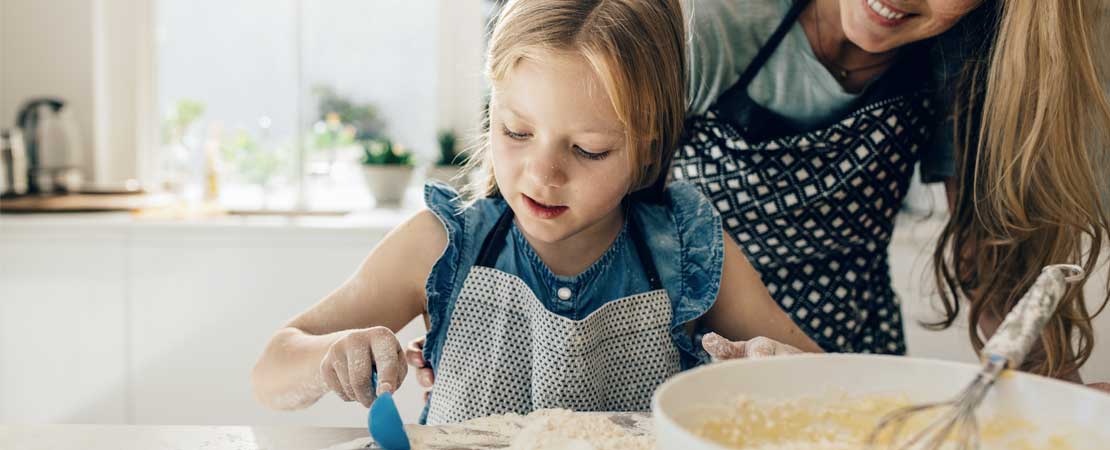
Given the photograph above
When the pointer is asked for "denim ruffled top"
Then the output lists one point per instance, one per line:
(683, 233)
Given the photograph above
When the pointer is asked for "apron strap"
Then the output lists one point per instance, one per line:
(495, 240)
(768, 48)
(643, 251)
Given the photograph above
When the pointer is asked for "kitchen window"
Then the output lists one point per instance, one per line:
(271, 104)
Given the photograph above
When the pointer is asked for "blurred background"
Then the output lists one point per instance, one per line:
(197, 172)
(246, 105)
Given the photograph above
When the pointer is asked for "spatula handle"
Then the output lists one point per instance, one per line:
(1022, 326)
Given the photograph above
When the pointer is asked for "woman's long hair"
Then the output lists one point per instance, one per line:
(1031, 122)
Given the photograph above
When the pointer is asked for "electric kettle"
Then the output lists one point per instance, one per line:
(54, 154)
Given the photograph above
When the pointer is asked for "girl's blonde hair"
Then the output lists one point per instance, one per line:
(637, 49)
(1031, 124)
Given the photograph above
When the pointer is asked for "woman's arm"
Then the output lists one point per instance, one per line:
(336, 343)
(745, 310)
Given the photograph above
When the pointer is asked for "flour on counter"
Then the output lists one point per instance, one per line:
(560, 429)
(549, 429)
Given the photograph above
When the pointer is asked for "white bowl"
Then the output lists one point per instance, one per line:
(1080, 413)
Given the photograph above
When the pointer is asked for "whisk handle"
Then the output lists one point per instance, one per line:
(1022, 326)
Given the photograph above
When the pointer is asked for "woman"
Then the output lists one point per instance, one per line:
(804, 134)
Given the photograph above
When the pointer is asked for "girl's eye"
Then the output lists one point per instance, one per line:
(596, 156)
(514, 135)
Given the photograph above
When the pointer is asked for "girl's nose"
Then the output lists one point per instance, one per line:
(546, 169)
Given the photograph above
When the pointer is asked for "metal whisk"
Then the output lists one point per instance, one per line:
(1007, 348)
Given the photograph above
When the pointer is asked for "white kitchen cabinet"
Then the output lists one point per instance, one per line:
(204, 308)
(63, 334)
(121, 322)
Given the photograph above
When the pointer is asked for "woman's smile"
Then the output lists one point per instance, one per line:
(885, 14)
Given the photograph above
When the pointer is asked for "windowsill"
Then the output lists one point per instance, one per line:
(165, 216)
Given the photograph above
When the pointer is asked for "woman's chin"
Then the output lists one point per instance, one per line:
(872, 41)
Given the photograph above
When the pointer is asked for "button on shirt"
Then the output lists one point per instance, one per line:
(576, 296)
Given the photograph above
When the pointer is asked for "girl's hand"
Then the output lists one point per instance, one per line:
(352, 359)
(414, 354)
(722, 349)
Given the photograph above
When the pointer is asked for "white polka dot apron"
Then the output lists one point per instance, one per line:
(814, 211)
(506, 353)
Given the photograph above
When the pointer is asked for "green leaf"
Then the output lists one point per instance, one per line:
(449, 153)
(382, 152)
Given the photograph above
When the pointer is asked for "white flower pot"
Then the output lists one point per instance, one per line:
(387, 184)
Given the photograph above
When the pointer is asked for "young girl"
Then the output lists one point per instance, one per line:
(571, 277)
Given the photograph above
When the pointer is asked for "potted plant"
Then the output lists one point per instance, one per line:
(180, 145)
(387, 169)
(451, 166)
(343, 124)
(255, 164)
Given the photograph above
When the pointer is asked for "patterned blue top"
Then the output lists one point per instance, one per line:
(685, 240)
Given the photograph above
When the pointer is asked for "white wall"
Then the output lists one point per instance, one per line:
(5, 120)
(460, 71)
(122, 86)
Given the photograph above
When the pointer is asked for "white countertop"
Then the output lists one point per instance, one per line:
(483, 433)
(126, 437)
(357, 226)
(118, 220)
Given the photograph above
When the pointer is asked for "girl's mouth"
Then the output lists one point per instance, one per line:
(885, 14)
(542, 210)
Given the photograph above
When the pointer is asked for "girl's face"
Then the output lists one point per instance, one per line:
(558, 148)
(881, 25)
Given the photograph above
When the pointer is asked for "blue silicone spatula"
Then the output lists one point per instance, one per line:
(385, 424)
